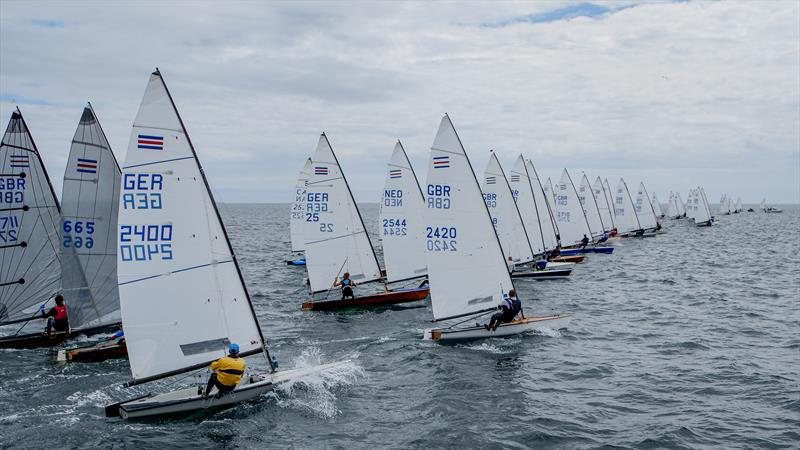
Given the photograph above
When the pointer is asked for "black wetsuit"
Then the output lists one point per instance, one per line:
(347, 289)
(584, 242)
(509, 311)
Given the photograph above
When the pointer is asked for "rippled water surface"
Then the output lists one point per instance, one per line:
(689, 339)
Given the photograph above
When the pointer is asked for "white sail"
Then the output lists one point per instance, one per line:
(466, 266)
(672, 206)
(590, 207)
(503, 208)
(298, 217)
(522, 188)
(182, 294)
(644, 209)
(610, 200)
(604, 208)
(336, 239)
(89, 206)
(570, 218)
(703, 212)
(763, 205)
(544, 209)
(657, 207)
(401, 220)
(692, 203)
(550, 193)
(30, 270)
(739, 206)
(680, 204)
(624, 211)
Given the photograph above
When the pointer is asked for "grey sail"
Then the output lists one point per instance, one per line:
(30, 270)
(89, 205)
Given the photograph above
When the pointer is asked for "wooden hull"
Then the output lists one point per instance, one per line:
(34, 340)
(384, 298)
(93, 353)
(189, 400)
(577, 259)
(507, 329)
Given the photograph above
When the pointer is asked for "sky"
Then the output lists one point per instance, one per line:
(675, 94)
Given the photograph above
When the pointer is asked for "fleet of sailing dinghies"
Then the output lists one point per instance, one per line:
(298, 217)
(624, 211)
(657, 207)
(401, 220)
(768, 209)
(644, 209)
(505, 215)
(466, 265)
(337, 242)
(30, 266)
(570, 218)
(590, 208)
(175, 259)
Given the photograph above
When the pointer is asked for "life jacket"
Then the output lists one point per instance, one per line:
(61, 312)
(229, 370)
(346, 282)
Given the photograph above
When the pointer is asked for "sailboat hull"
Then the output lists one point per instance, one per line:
(296, 262)
(34, 340)
(187, 401)
(506, 329)
(552, 274)
(384, 298)
(577, 259)
(579, 251)
(94, 353)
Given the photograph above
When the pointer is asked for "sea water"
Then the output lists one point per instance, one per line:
(688, 339)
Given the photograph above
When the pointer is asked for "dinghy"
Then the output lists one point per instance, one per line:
(182, 293)
(769, 209)
(505, 211)
(337, 242)
(297, 215)
(702, 217)
(738, 208)
(627, 221)
(570, 217)
(466, 265)
(591, 209)
(401, 221)
(657, 207)
(644, 210)
(692, 204)
(672, 207)
(604, 205)
(551, 239)
(724, 205)
(681, 206)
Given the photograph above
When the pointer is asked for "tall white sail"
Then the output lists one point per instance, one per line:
(30, 270)
(739, 207)
(644, 209)
(570, 218)
(401, 220)
(680, 204)
(627, 221)
(503, 208)
(522, 188)
(544, 209)
(672, 206)
(336, 239)
(590, 207)
(657, 207)
(604, 208)
(89, 206)
(703, 212)
(610, 200)
(182, 294)
(466, 266)
(692, 202)
(550, 193)
(298, 214)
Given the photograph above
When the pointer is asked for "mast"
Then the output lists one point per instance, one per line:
(421, 194)
(516, 208)
(224, 230)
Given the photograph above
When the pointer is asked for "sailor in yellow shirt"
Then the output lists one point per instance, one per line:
(228, 372)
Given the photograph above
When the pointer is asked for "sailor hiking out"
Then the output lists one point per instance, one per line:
(509, 308)
(228, 371)
(57, 318)
(347, 285)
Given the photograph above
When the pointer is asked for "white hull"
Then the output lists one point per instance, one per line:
(189, 400)
(506, 329)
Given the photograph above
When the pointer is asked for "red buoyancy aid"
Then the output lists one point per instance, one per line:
(61, 312)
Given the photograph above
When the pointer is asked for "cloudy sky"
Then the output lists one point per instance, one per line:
(675, 94)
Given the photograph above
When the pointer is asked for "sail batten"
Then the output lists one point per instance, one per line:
(179, 281)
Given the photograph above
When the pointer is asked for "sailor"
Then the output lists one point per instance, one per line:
(347, 285)
(658, 226)
(603, 239)
(57, 319)
(584, 241)
(509, 308)
(228, 372)
(119, 336)
(510, 265)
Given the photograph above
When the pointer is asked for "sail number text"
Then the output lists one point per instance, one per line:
(490, 199)
(145, 242)
(439, 196)
(9, 228)
(441, 239)
(317, 202)
(395, 227)
(12, 190)
(393, 197)
(78, 234)
(147, 187)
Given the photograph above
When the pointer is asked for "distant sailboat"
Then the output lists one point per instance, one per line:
(681, 206)
(182, 293)
(739, 208)
(657, 207)
(644, 209)
(570, 217)
(297, 216)
(769, 209)
(604, 206)
(466, 264)
(337, 242)
(591, 208)
(624, 210)
(401, 220)
(702, 217)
